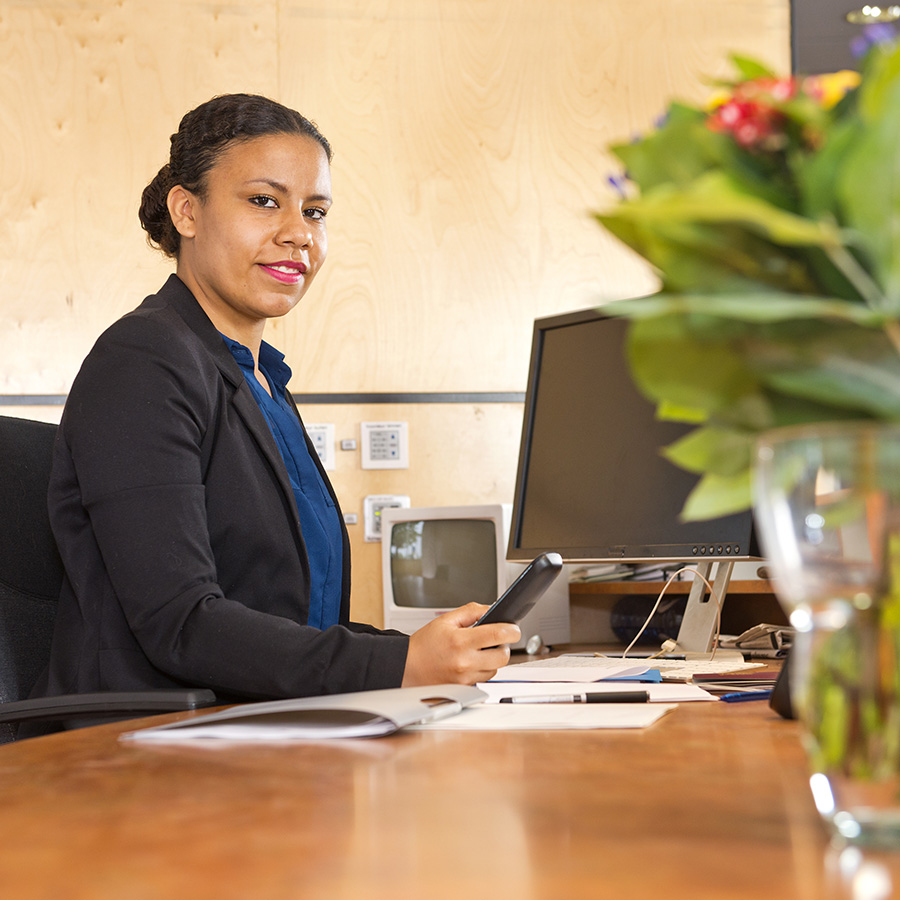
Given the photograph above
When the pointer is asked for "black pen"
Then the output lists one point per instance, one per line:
(596, 697)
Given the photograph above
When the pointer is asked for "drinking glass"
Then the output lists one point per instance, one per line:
(827, 506)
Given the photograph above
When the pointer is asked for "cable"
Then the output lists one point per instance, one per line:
(670, 645)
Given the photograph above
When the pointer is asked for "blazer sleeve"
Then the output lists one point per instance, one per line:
(177, 545)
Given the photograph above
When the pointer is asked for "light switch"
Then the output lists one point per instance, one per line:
(322, 437)
(385, 445)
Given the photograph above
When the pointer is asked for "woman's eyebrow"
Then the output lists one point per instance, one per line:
(275, 185)
(281, 188)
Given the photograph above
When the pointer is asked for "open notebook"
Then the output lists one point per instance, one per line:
(361, 714)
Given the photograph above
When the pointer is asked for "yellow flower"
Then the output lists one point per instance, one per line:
(718, 98)
(829, 89)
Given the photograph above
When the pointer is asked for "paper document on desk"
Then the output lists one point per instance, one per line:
(360, 714)
(581, 669)
(658, 693)
(544, 716)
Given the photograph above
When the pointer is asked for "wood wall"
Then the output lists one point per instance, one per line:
(469, 144)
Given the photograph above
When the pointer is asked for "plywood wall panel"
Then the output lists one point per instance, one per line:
(90, 93)
(470, 149)
(469, 140)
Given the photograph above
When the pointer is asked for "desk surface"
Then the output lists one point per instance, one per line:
(711, 802)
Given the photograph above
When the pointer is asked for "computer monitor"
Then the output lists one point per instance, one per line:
(437, 558)
(592, 484)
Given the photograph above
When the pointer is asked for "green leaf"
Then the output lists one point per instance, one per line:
(716, 197)
(845, 367)
(881, 70)
(667, 411)
(868, 186)
(722, 451)
(756, 307)
(702, 257)
(750, 69)
(650, 162)
(715, 495)
(817, 174)
(670, 365)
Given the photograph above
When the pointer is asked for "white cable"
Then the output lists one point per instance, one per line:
(672, 644)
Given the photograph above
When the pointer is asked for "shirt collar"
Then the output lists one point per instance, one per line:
(271, 361)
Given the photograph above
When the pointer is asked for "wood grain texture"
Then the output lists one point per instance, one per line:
(711, 802)
(469, 152)
(460, 453)
(91, 91)
(469, 139)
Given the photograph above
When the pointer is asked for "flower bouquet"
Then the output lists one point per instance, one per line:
(773, 220)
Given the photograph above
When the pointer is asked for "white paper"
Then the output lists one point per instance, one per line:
(561, 668)
(528, 716)
(659, 693)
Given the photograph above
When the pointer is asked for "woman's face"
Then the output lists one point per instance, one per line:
(252, 246)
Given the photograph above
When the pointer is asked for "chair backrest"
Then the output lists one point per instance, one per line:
(30, 568)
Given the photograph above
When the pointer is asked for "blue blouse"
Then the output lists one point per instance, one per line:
(319, 519)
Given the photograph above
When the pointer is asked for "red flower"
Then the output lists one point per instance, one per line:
(752, 123)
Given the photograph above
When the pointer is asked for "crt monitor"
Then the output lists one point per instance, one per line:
(437, 558)
(592, 483)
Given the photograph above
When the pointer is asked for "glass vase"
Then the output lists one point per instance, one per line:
(827, 507)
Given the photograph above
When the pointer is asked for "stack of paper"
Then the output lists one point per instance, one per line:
(572, 668)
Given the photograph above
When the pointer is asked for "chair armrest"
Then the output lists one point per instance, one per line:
(110, 703)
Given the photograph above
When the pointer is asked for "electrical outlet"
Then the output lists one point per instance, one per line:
(372, 507)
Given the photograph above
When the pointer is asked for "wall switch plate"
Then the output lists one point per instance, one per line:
(385, 445)
(322, 437)
(372, 507)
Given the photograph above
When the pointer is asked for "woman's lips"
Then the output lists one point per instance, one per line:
(286, 272)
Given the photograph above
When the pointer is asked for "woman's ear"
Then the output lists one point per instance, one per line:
(181, 203)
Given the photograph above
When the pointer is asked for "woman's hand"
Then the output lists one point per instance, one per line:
(448, 651)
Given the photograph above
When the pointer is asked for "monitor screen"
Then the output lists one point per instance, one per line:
(435, 563)
(592, 483)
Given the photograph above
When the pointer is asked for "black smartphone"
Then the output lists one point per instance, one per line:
(518, 599)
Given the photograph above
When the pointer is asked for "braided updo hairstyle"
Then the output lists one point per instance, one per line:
(203, 135)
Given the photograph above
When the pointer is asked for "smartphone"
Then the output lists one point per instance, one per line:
(518, 599)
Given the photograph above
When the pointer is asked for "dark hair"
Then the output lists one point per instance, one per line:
(203, 135)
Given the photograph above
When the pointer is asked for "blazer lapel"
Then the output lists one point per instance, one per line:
(176, 293)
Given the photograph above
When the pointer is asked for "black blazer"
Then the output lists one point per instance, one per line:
(179, 533)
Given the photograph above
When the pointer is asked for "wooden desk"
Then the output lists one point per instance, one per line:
(711, 802)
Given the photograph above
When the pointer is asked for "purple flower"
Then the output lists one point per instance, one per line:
(880, 33)
(619, 184)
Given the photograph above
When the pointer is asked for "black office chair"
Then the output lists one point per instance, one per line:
(30, 577)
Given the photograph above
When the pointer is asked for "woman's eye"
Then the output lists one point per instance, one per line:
(316, 213)
(263, 201)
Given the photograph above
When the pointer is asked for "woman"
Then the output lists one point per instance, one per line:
(202, 541)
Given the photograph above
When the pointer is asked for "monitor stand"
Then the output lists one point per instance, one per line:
(697, 633)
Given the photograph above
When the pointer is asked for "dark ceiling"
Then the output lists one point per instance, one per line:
(821, 36)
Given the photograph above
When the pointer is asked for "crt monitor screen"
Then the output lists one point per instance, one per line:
(438, 563)
(592, 483)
